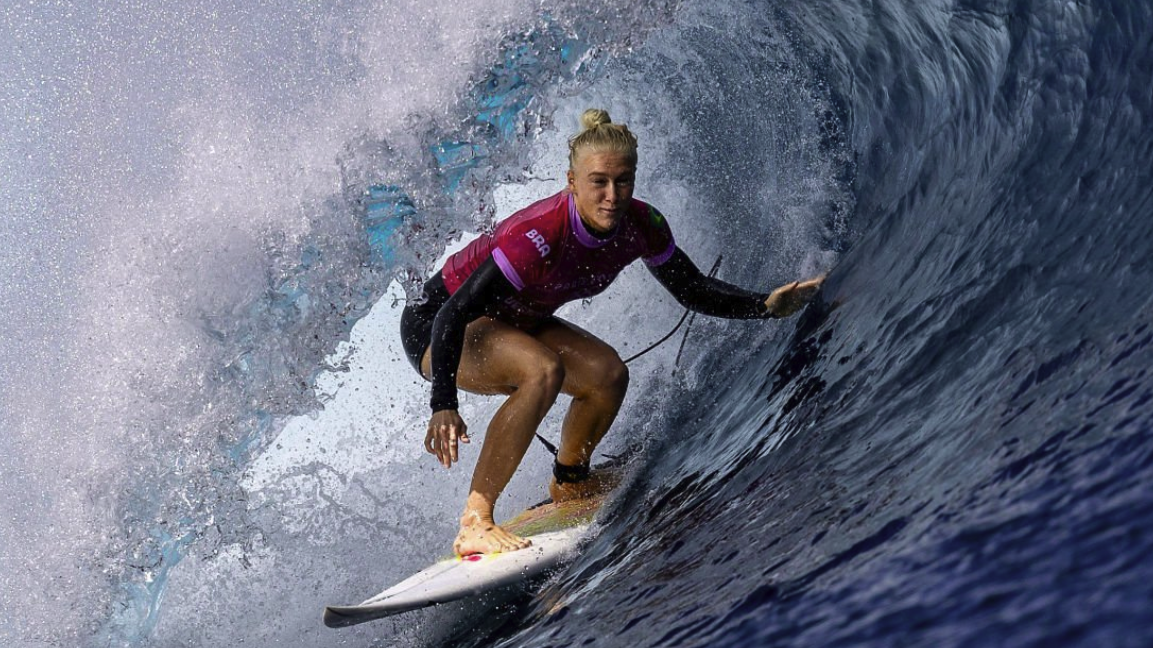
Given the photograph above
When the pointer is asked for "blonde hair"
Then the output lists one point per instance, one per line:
(599, 134)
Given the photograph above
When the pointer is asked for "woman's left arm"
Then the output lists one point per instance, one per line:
(699, 292)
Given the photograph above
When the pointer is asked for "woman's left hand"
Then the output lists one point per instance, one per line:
(790, 298)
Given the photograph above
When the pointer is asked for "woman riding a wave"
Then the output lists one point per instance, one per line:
(487, 324)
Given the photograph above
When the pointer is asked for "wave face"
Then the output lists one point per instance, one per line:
(211, 218)
(955, 449)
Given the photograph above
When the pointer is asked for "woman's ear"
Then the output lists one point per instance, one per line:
(571, 180)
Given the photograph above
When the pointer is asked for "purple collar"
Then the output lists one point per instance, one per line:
(583, 235)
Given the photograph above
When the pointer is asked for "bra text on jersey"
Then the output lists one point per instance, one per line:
(536, 238)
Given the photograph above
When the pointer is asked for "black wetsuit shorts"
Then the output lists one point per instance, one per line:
(416, 320)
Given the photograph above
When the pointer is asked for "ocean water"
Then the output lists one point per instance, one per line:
(211, 216)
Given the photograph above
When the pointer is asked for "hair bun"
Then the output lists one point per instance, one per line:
(594, 117)
(600, 134)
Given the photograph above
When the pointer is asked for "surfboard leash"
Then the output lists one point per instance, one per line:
(684, 316)
(547, 444)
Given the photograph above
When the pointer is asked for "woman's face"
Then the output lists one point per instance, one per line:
(602, 185)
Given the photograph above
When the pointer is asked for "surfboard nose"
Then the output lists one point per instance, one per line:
(334, 618)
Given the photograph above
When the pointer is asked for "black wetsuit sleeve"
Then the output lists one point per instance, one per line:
(485, 286)
(699, 292)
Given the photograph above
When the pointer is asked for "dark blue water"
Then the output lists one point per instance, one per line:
(955, 448)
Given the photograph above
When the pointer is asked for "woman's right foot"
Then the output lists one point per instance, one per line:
(479, 534)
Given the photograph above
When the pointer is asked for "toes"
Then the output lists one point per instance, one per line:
(488, 539)
(508, 542)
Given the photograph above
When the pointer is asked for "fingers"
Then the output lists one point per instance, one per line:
(808, 286)
(446, 445)
(804, 290)
(790, 298)
(442, 438)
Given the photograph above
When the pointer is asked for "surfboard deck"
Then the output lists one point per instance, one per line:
(555, 530)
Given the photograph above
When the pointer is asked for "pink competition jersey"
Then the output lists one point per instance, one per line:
(546, 251)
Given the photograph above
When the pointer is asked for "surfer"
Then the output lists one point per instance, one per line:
(486, 324)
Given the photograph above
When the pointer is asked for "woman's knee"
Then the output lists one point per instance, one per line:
(546, 373)
(612, 377)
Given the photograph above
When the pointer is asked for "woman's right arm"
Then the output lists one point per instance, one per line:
(485, 286)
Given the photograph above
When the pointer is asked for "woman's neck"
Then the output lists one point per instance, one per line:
(597, 233)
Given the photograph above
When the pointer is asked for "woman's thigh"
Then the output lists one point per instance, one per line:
(497, 358)
(589, 362)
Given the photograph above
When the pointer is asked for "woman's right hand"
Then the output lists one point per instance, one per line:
(444, 430)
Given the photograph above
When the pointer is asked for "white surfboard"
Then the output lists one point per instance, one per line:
(455, 578)
(555, 529)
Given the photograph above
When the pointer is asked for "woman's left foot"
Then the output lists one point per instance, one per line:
(598, 483)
